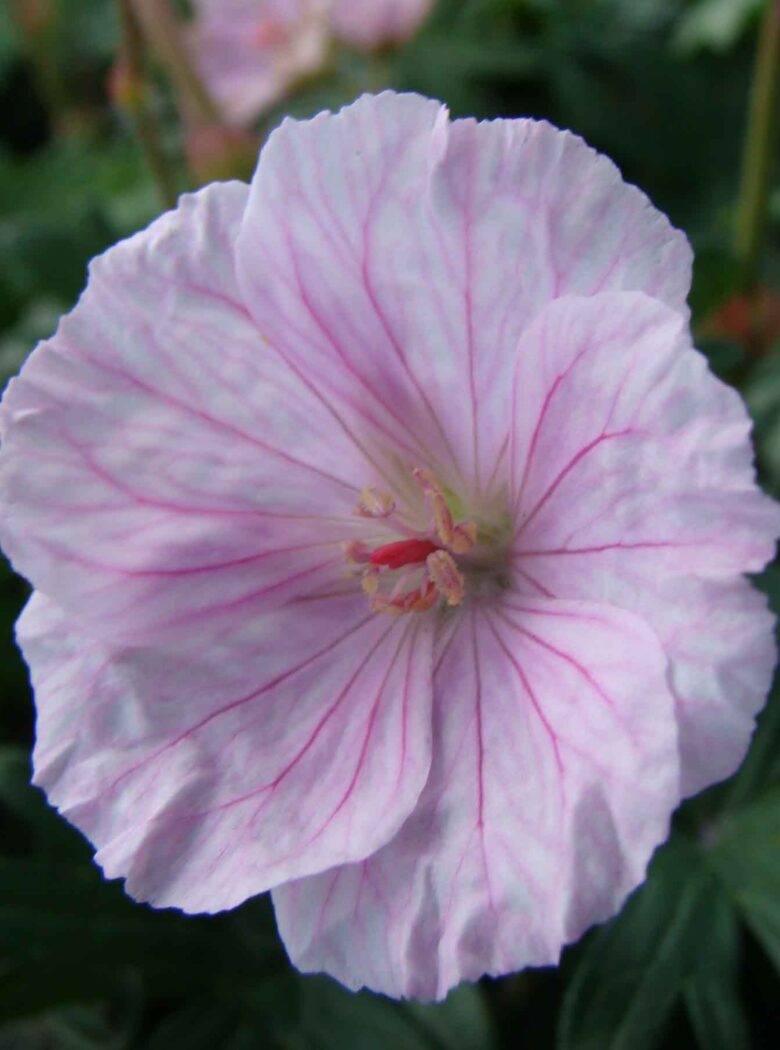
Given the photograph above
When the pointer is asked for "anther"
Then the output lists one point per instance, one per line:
(375, 504)
(356, 553)
(421, 599)
(443, 572)
(458, 538)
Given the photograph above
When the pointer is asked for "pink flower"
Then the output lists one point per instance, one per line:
(251, 53)
(375, 23)
(388, 538)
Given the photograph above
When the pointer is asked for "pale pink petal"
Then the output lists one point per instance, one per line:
(299, 741)
(250, 53)
(375, 23)
(633, 483)
(554, 773)
(720, 640)
(161, 468)
(397, 258)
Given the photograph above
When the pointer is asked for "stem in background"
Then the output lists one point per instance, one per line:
(164, 33)
(130, 94)
(37, 22)
(759, 147)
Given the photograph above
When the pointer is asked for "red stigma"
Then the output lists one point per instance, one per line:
(404, 552)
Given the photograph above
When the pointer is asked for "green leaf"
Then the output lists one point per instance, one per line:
(714, 24)
(634, 970)
(205, 1026)
(746, 857)
(67, 935)
(335, 1019)
(712, 1000)
(73, 1028)
(762, 393)
(461, 1022)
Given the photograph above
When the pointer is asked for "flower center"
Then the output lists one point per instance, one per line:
(269, 32)
(420, 571)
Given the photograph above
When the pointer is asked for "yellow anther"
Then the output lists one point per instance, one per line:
(375, 504)
(458, 538)
(369, 581)
(464, 536)
(356, 553)
(444, 573)
(419, 600)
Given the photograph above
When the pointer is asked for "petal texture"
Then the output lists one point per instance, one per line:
(161, 470)
(555, 770)
(633, 483)
(301, 741)
(397, 258)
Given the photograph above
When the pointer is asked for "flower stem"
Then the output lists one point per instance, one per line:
(759, 147)
(164, 33)
(131, 95)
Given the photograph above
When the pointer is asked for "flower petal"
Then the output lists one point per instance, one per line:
(634, 484)
(299, 742)
(160, 468)
(719, 636)
(554, 774)
(396, 259)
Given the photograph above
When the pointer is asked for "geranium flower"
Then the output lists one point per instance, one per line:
(388, 538)
(378, 23)
(251, 53)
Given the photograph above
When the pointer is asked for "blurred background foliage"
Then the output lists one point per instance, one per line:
(662, 86)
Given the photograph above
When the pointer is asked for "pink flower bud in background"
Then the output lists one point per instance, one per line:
(250, 53)
(377, 23)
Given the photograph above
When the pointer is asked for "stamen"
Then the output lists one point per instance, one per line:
(444, 573)
(458, 538)
(463, 538)
(421, 599)
(356, 553)
(375, 504)
(430, 570)
(369, 580)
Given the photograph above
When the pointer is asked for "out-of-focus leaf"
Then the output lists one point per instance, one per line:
(461, 1022)
(51, 255)
(335, 1019)
(9, 39)
(67, 936)
(634, 970)
(207, 1026)
(37, 322)
(74, 1028)
(39, 826)
(715, 278)
(715, 1009)
(746, 857)
(762, 393)
(714, 24)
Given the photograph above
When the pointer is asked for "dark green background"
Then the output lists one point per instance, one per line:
(693, 961)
